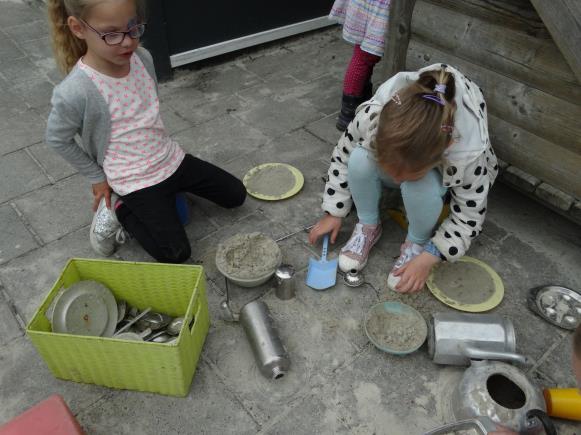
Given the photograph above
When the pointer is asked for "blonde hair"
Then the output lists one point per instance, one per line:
(413, 132)
(67, 48)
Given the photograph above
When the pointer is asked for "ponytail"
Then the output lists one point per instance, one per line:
(67, 48)
(416, 125)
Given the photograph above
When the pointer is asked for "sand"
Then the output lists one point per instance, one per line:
(466, 283)
(271, 181)
(396, 331)
(248, 256)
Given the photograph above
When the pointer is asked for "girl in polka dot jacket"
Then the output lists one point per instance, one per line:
(109, 98)
(426, 133)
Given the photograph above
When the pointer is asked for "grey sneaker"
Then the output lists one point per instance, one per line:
(408, 251)
(105, 229)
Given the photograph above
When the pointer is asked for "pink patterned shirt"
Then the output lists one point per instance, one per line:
(140, 152)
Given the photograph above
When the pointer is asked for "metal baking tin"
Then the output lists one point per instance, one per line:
(558, 305)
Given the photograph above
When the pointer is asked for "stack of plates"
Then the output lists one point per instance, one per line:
(85, 308)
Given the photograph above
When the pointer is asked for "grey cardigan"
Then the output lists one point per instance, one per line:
(79, 108)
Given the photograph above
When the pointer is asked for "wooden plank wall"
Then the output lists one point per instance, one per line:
(534, 99)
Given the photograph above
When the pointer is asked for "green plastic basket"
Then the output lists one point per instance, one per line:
(176, 290)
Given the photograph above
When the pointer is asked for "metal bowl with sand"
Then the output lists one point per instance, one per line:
(248, 260)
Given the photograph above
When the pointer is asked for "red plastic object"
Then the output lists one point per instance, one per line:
(50, 417)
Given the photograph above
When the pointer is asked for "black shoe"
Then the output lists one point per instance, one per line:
(368, 91)
(348, 105)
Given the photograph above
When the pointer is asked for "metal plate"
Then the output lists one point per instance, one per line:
(402, 310)
(446, 295)
(82, 310)
(293, 188)
(558, 305)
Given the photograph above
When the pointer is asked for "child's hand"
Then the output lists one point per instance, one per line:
(101, 190)
(327, 224)
(415, 273)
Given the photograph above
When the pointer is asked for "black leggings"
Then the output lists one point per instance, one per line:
(150, 214)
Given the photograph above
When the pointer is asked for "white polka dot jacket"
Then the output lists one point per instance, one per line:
(469, 166)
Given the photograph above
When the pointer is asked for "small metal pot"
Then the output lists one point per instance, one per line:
(285, 282)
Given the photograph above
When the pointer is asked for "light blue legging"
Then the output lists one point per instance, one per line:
(423, 199)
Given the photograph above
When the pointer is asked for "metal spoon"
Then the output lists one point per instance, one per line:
(175, 326)
(155, 321)
(164, 338)
(132, 321)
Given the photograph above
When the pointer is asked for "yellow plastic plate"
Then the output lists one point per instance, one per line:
(492, 301)
(293, 189)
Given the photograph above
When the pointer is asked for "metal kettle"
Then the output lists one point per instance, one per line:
(503, 393)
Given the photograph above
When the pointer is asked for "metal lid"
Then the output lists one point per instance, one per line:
(284, 271)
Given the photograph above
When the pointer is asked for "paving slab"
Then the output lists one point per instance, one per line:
(16, 12)
(29, 31)
(59, 209)
(274, 117)
(325, 130)
(28, 278)
(38, 49)
(51, 162)
(379, 391)
(25, 380)
(314, 346)
(19, 174)
(9, 51)
(9, 326)
(209, 84)
(556, 364)
(208, 409)
(186, 107)
(20, 129)
(293, 60)
(221, 139)
(173, 121)
(10, 103)
(15, 239)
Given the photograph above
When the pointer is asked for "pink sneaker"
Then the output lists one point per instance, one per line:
(408, 251)
(354, 254)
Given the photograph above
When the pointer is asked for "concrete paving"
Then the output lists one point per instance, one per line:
(273, 103)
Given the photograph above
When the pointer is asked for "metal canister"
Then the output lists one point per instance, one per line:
(285, 282)
(269, 352)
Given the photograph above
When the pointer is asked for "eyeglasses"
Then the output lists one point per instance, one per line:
(116, 38)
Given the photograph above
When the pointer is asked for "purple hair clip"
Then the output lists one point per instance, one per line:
(434, 98)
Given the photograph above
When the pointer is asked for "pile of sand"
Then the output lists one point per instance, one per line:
(248, 256)
(399, 332)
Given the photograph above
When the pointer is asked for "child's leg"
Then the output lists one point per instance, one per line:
(211, 182)
(356, 85)
(366, 183)
(359, 71)
(151, 217)
(423, 200)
